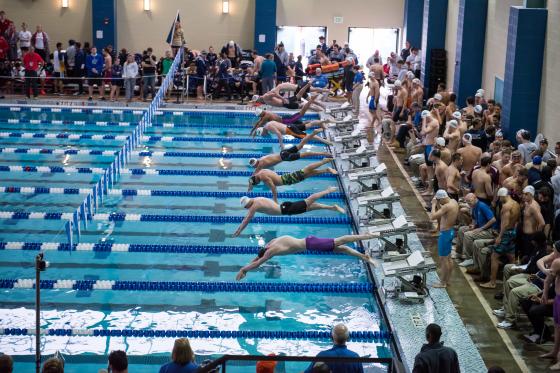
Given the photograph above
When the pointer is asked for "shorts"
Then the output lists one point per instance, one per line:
(289, 155)
(295, 131)
(555, 307)
(313, 243)
(427, 151)
(293, 177)
(293, 208)
(507, 245)
(95, 78)
(397, 113)
(445, 242)
(293, 119)
(371, 105)
(117, 82)
(58, 75)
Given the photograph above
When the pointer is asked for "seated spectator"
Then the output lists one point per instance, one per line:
(118, 362)
(320, 367)
(54, 365)
(434, 357)
(182, 358)
(340, 336)
(266, 366)
(6, 364)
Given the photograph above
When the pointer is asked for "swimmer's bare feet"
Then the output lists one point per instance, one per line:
(368, 259)
(332, 171)
(318, 130)
(439, 285)
(374, 235)
(339, 209)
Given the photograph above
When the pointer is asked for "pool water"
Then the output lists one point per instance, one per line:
(244, 310)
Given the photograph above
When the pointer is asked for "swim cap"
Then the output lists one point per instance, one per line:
(253, 162)
(244, 200)
(410, 75)
(537, 160)
(441, 194)
(438, 97)
(481, 91)
(529, 189)
(425, 113)
(502, 192)
(259, 131)
(467, 137)
(499, 133)
(255, 98)
(457, 115)
(453, 123)
(478, 94)
(258, 111)
(398, 83)
(415, 81)
(440, 141)
(478, 109)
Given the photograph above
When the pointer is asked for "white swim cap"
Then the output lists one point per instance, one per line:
(259, 131)
(255, 98)
(481, 91)
(416, 81)
(453, 123)
(258, 111)
(478, 109)
(440, 141)
(244, 200)
(457, 115)
(441, 194)
(529, 189)
(398, 83)
(502, 192)
(467, 137)
(425, 113)
(499, 133)
(253, 162)
(410, 75)
(478, 94)
(438, 97)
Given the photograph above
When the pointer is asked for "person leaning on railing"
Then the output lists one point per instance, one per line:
(182, 358)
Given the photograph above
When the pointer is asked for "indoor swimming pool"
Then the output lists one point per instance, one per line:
(157, 260)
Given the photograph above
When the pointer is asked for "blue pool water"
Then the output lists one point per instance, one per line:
(164, 310)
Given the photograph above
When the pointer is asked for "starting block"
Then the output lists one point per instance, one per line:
(341, 111)
(398, 228)
(415, 267)
(350, 141)
(359, 158)
(344, 126)
(368, 201)
(368, 178)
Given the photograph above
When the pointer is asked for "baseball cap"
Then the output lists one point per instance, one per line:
(398, 83)
(453, 123)
(441, 194)
(457, 115)
(253, 162)
(438, 97)
(502, 192)
(440, 141)
(529, 189)
(537, 160)
(244, 200)
(425, 113)
(258, 111)
(478, 109)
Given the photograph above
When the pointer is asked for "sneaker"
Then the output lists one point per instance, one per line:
(499, 312)
(532, 338)
(505, 325)
(499, 296)
(466, 263)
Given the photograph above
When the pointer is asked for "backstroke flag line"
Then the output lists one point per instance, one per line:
(172, 30)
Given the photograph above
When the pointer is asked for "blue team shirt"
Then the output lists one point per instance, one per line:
(96, 62)
(340, 351)
(359, 77)
(482, 214)
(320, 81)
(176, 368)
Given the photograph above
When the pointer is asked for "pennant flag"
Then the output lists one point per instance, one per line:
(172, 30)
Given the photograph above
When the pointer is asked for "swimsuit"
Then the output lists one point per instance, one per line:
(313, 243)
(295, 131)
(555, 309)
(296, 118)
(445, 242)
(507, 245)
(427, 151)
(372, 104)
(290, 154)
(293, 208)
(293, 177)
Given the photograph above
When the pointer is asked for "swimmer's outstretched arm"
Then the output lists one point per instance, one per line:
(272, 187)
(257, 125)
(245, 222)
(256, 263)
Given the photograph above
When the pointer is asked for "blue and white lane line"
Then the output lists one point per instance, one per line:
(44, 135)
(82, 123)
(58, 151)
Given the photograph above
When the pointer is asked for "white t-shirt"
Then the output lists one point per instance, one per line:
(39, 42)
(56, 61)
(24, 39)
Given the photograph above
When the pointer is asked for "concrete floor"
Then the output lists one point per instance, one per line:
(472, 302)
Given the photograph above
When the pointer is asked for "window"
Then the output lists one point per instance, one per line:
(300, 40)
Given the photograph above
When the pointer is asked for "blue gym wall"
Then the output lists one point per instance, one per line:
(433, 33)
(265, 24)
(523, 70)
(413, 17)
(471, 34)
(104, 18)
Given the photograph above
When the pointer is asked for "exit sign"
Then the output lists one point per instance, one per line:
(338, 20)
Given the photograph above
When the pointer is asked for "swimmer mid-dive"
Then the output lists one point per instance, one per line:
(280, 129)
(271, 179)
(287, 155)
(286, 245)
(269, 207)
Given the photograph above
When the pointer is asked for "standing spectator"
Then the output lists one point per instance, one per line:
(340, 336)
(79, 68)
(211, 57)
(53, 365)
(4, 48)
(526, 147)
(232, 52)
(182, 358)
(281, 59)
(130, 71)
(178, 39)
(123, 56)
(4, 22)
(24, 38)
(201, 71)
(71, 58)
(11, 37)
(405, 52)
(268, 73)
(433, 356)
(257, 60)
(322, 45)
(149, 73)
(298, 69)
(118, 362)
(224, 75)
(6, 364)
(87, 48)
(32, 62)
(40, 41)
(116, 80)
(166, 63)
(107, 68)
(94, 68)
(59, 68)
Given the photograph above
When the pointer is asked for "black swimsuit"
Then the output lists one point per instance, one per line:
(293, 208)
(290, 154)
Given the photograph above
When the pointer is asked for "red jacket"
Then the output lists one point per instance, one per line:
(32, 61)
(4, 47)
